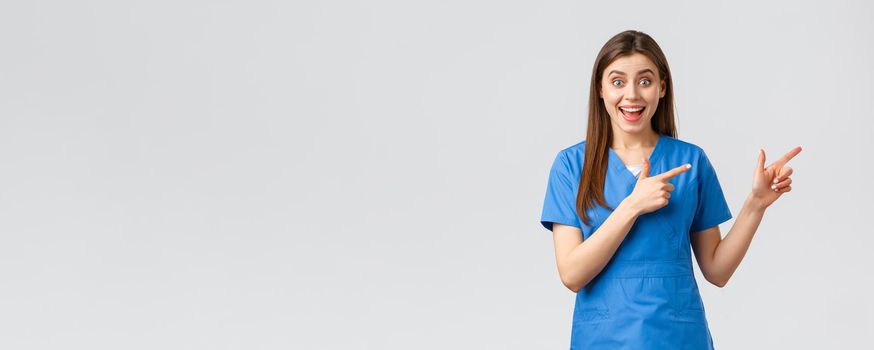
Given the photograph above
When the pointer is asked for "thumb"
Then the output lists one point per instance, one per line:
(761, 165)
(644, 172)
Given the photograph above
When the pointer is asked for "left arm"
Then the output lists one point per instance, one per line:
(719, 257)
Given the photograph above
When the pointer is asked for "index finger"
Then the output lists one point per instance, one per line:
(786, 157)
(674, 172)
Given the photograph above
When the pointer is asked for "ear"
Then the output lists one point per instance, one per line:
(663, 89)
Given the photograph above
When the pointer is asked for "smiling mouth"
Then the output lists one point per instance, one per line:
(631, 113)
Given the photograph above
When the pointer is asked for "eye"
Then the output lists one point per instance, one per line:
(645, 82)
(614, 82)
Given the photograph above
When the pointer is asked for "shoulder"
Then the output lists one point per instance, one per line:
(683, 151)
(570, 159)
(574, 150)
(682, 146)
(680, 151)
(572, 155)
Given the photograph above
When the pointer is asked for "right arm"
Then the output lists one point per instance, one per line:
(578, 261)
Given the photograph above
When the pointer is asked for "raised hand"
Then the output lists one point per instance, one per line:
(652, 192)
(770, 182)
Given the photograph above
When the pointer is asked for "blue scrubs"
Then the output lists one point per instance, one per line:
(647, 296)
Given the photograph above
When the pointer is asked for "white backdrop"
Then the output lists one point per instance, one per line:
(369, 175)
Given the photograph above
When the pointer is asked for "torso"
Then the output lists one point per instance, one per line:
(646, 297)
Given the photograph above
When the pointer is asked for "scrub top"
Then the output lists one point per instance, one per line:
(646, 297)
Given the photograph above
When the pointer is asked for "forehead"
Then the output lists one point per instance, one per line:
(631, 64)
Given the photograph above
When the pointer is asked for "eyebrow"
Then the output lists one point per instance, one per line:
(638, 72)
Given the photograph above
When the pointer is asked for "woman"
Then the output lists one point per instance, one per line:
(626, 204)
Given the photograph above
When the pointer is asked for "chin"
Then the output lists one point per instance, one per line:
(634, 129)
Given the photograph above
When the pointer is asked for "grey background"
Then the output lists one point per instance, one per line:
(369, 175)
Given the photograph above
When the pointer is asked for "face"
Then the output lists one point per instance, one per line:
(631, 90)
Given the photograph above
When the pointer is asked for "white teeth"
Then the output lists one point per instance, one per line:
(631, 109)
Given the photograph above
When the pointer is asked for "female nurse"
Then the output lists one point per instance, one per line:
(626, 204)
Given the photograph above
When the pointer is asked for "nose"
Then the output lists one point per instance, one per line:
(631, 93)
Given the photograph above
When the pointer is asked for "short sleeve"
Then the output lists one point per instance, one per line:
(712, 208)
(559, 204)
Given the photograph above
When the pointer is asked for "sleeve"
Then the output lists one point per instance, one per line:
(712, 208)
(559, 204)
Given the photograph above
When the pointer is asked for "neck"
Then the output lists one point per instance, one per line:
(644, 139)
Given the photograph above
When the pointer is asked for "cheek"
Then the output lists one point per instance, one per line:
(610, 105)
(652, 97)
(610, 99)
(653, 94)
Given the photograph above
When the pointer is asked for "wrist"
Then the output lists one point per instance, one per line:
(626, 206)
(755, 204)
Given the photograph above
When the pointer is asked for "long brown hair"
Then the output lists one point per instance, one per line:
(599, 134)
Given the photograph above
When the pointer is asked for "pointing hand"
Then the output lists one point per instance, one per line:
(652, 192)
(770, 182)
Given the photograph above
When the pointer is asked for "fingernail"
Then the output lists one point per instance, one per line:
(775, 180)
(688, 166)
(773, 187)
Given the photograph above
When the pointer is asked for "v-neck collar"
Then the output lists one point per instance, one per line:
(618, 165)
